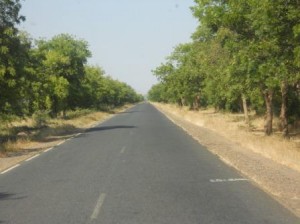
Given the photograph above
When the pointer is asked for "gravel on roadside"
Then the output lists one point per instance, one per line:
(281, 182)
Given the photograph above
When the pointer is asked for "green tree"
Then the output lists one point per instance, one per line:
(156, 93)
(12, 57)
(92, 86)
(240, 49)
(65, 57)
(261, 45)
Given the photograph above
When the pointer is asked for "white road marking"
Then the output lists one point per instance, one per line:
(123, 150)
(78, 134)
(60, 143)
(47, 150)
(33, 157)
(70, 138)
(98, 206)
(227, 180)
(11, 168)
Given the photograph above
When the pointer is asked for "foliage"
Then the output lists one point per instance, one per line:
(242, 51)
(44, 78)
(40, 118)
(156, 93)
(12, 57)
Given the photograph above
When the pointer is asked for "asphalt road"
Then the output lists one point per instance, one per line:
(136, 168)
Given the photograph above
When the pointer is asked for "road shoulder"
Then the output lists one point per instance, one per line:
(280, 181)
(38, 147)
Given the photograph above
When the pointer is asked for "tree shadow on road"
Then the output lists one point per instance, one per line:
(4, 196)
(128, 112)
(105, 128)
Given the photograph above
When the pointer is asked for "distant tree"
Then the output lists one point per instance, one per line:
(50, 76)
(92, 87)
(156, 93)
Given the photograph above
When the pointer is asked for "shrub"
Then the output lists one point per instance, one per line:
(40, 118)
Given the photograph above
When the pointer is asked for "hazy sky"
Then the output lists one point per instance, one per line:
(128, 38)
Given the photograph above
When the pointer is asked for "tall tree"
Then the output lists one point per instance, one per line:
(275, 23)
(65, 57)
(11, 57)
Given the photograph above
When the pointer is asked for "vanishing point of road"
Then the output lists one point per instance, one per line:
(135, 168)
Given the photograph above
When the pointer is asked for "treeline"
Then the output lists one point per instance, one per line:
(244, 55)
(51, 76)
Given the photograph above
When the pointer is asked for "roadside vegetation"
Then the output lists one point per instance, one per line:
(232, 127)
(43, 81)
(244, 57)
(30, 134)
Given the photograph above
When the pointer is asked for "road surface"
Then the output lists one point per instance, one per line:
(136, 168)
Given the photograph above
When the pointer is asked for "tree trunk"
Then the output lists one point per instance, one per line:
(64, 113)
(179, 102)
(196, 102)
(245, 108)
(54, 109)
(268, 95)
(283, 112)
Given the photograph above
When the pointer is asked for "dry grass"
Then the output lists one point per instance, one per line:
(233, 127)
(23, 136)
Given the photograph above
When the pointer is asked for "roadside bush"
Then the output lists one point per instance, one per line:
(40, 118)
(77, 113)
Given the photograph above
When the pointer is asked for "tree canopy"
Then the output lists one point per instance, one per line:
(51, 75)
(243, 55)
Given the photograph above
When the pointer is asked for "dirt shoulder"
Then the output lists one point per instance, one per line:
(280, 181)
(24, 149)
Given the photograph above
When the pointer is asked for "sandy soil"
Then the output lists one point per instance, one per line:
(278, 180)
(29, 149)
(32, 150)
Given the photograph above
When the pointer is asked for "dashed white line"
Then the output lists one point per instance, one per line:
(60, 143)
(98, 206)
(9, 169)
(123, 150)
(47, 150)
(33, 157)
(69, 139)
(227, 180)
